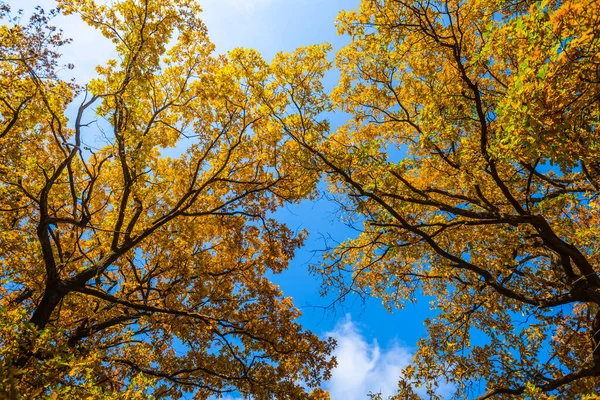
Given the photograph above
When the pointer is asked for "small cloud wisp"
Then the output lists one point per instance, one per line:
(364, 367)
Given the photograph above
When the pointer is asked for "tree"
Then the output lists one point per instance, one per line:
(123, 271)
(471, 165)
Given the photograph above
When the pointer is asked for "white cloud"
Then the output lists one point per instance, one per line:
(364, 366)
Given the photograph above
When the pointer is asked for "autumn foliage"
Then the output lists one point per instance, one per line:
(136, 211)
(472, 163)
(125, 271)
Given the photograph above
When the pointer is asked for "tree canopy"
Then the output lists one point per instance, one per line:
(127, 272)
(137, 232)
(471, 164)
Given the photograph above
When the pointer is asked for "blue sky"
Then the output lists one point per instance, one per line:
(373, 344)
